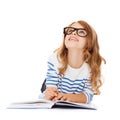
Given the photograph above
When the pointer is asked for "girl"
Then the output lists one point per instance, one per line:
(74, 68)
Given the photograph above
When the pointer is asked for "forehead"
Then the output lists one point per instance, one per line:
(77, 25)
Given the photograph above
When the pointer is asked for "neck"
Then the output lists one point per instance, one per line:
(75, 58)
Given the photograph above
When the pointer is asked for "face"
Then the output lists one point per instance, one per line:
(75, 38)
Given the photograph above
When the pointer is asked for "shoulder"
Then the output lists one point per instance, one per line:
(53, 59)
(86, 67)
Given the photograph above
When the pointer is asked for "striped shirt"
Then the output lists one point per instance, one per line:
(74, 81)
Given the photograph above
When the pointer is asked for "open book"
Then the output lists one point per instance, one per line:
(46, 104)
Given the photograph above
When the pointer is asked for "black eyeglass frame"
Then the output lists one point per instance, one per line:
(75, 29)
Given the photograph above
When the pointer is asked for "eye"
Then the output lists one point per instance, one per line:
(82, 32)
(69, 30)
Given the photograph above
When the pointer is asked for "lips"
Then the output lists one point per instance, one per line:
(73, 39)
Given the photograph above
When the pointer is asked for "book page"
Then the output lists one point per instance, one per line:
(76, 105)
(36, 104)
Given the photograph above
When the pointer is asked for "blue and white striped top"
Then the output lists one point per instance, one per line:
(74, 80)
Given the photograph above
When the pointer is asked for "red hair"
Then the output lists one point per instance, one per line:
(91, 56)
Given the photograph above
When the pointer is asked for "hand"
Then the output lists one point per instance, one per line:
(60, 96)
(51, 93)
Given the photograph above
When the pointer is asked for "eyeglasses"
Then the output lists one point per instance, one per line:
(82, 32)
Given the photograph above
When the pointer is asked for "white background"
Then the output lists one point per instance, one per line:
(30, 30)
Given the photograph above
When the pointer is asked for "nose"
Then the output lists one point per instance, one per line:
(74, 32)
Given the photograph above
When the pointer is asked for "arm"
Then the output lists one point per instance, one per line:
(79, 98)
(51, 83)
(84, 96)
(52, 75)
(51, 78)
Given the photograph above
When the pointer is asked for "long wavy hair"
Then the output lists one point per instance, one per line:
(91, 56)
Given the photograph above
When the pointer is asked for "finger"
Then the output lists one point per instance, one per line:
(49, 95)
(54, 99)
(63, 98)
(52, 91)
(55, 90)
(59, 96)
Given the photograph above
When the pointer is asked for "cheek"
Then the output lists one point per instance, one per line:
(66, 43)
(82, 43)
(66, 40)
